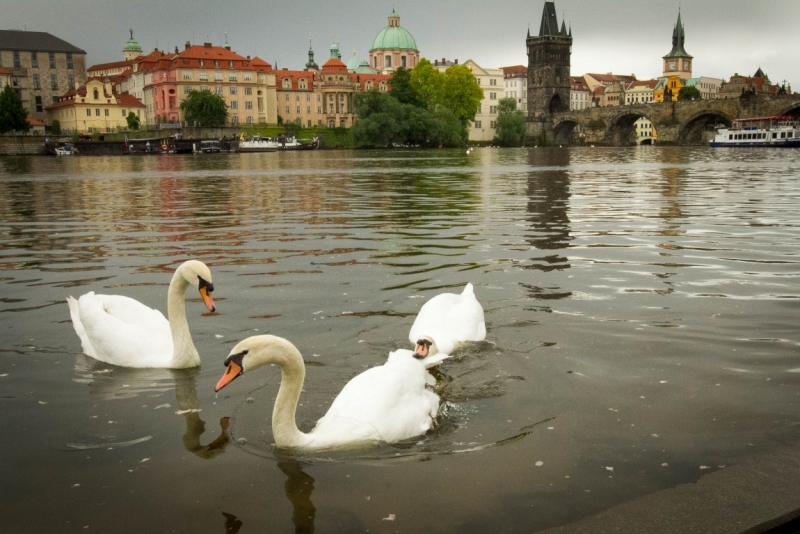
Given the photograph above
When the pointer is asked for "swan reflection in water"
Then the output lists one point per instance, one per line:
(299, 486)
(108, 382)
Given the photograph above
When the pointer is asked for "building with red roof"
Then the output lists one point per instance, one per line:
(247, 85)
(94, 107)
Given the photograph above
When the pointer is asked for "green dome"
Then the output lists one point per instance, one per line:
(394, 36)
(131, 45)
(353, 63)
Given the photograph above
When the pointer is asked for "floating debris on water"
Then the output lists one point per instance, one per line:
(390, 518)
(539, 463)
(162, 406)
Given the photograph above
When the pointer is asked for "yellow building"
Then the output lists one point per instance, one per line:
(670, 85)
(94, 107)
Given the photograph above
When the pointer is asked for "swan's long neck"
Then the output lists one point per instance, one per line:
(184, 354)
(293, 373)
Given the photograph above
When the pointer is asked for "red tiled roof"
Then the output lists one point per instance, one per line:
(515, 71)
(334, 65)
(260, 64)
(4, 71)
(35, 122)
(68, 99)
(295, 76)
(601, 89)
(113, 65)
(376, 79)
(644, 83)
(609, 78)
(577, 83)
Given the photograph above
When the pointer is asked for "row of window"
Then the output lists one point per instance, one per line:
(308, 110)
(51, 56)
(763, 135)
(106, 111)
(232, 77)
(37, 82)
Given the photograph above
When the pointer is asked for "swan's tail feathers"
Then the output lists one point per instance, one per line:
(481, 331)
(468, 290)
(75, 315)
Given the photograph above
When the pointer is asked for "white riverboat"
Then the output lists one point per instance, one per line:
(781, 131)
(66, 150)
(258, 144)
(282, 142)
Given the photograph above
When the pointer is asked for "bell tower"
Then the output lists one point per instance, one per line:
(678, 62)
(549, 56)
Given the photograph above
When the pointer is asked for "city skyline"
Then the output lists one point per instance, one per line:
(624, 37)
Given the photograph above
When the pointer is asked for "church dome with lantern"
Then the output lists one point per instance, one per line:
(393, 47)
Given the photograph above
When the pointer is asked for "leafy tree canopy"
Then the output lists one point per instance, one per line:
(510, 123)
(133, 121)
(461, 93)
(383, 121)
(400, 83)
(205, 108)
(689, 93)
(427, 81)
(13, 116)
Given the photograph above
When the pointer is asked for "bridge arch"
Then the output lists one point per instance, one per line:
(565, 132)
(621, 130)
(693, 131)
(793, 110)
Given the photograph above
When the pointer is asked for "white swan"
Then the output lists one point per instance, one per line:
(123, 331)
(450, 319)
(386, 403)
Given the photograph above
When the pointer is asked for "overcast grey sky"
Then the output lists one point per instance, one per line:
(620, 36)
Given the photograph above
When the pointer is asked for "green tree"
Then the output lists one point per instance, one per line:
(689, 93)
(55, 127)
(510, 123)
(379, 119)
(13, 116)
(427, 81)
(400, 83)
(205, 108)
(133, 120)
(461, 93)
(383, 121)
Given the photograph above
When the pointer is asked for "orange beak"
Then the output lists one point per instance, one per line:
(233, 370)
(207, 300)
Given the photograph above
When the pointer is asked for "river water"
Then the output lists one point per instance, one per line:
(641, 304)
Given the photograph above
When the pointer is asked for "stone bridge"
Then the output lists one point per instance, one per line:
(685, 122)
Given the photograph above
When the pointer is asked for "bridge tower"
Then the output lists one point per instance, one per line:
(678, 62)
(549, 55)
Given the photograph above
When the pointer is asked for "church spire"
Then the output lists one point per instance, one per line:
(678, 39)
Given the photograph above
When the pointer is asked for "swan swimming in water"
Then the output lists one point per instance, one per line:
(122, 331)
(387, 403)
(449, 320)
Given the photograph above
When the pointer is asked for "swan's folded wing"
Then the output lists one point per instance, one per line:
(391, 397)
(130, 340)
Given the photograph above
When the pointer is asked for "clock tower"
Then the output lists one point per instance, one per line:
(678, 62)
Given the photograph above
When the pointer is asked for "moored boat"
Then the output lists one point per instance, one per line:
(258, 144)
(66, 150)
(780, 131)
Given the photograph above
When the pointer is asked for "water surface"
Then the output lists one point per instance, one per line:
(641, 305)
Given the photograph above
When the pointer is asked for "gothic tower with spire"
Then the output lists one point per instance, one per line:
(678, 62)
(549, 55)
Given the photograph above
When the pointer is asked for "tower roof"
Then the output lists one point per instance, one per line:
(131, 45)
(678, 37)
(394, 36)
(549, 24)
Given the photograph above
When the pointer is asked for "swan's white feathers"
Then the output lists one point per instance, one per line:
(450, 319)
(123, 331)
(390, 398)
(387, 403)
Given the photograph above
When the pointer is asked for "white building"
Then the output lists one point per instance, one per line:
(516, 85)
(640, 92)
(580, 97)
(708, 87)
